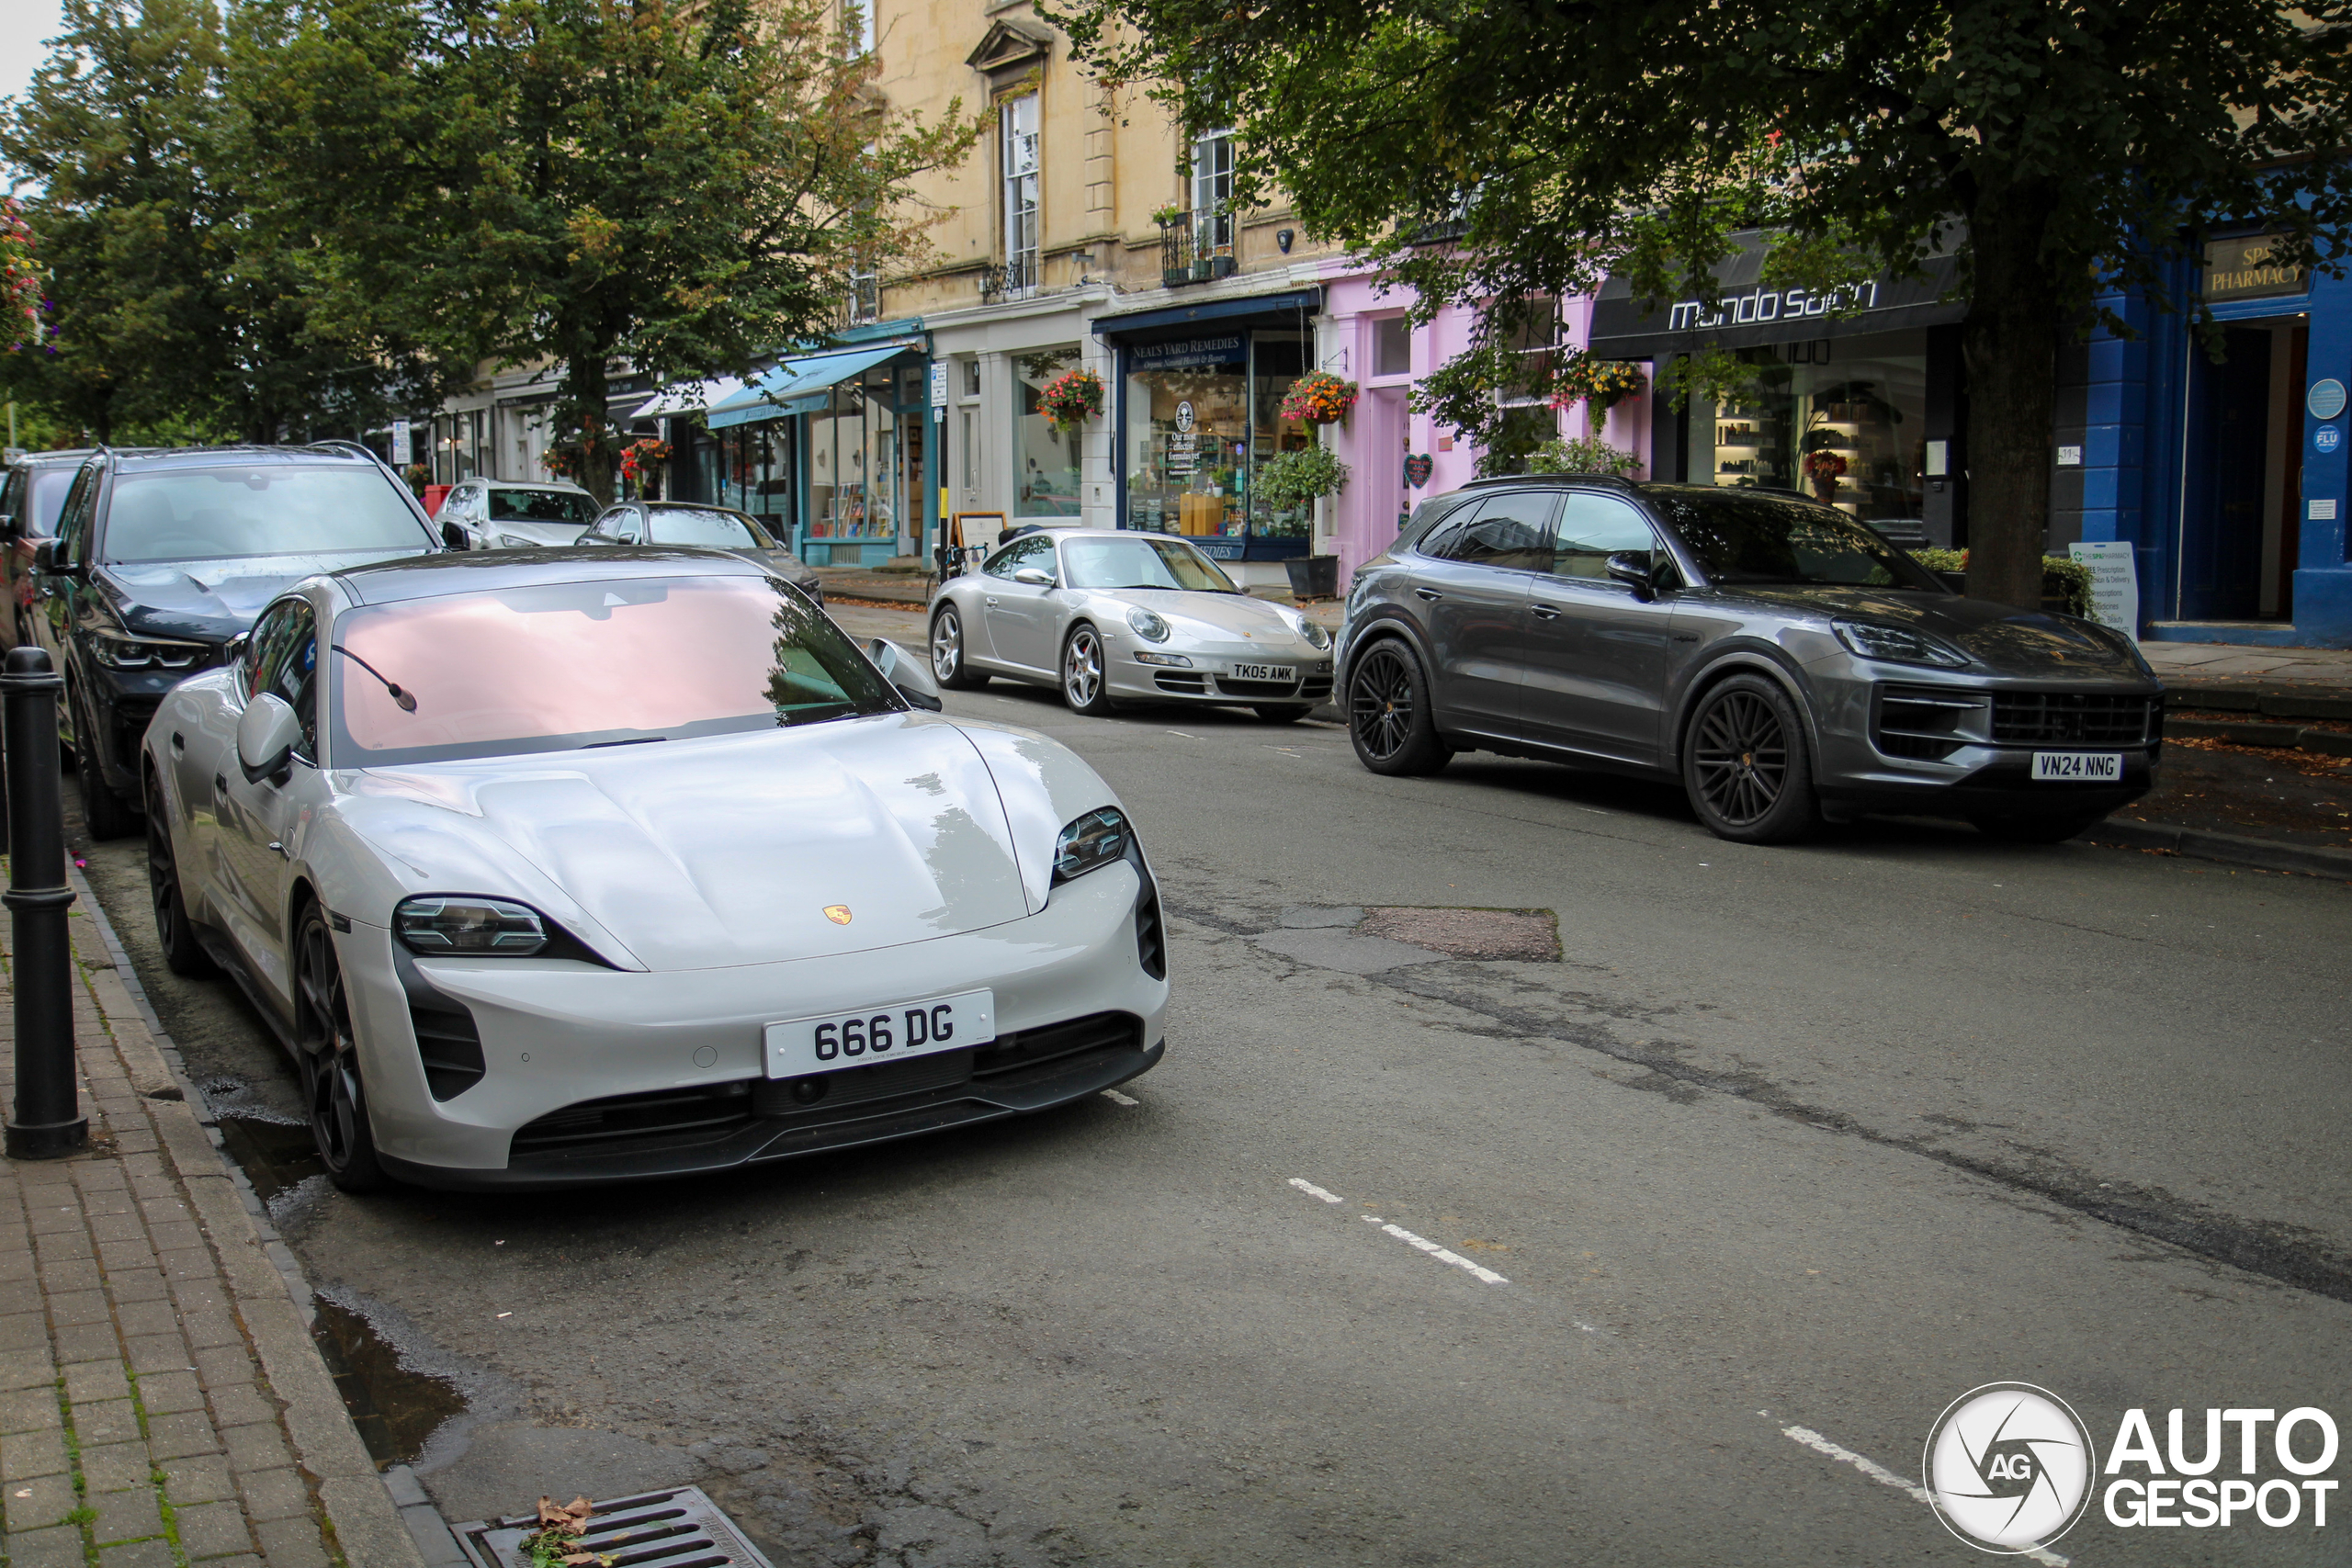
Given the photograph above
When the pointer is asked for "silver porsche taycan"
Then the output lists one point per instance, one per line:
(552, 867)
(1112, 618)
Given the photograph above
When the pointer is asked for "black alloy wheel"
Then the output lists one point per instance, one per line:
(948, 665)
(1745, 764)
(183, 955)
(328, 1053)
(106, 814)
(2038, 829)
(1388, 713)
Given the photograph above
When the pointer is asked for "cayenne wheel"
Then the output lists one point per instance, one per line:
(328, 1053)
(106, 814)
(1085, 686)
(183, 955)
(2038, 829)
(947, 665)
(1744, 765)
(1388, 713)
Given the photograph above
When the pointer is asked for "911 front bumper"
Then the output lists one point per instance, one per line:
(589, 1074)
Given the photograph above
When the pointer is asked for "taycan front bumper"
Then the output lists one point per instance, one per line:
(590, 1073)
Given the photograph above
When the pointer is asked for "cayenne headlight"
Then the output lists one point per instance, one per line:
(1897, 645)
(118, 651)
(445, 926)
(1147, 625)
(1092, 842)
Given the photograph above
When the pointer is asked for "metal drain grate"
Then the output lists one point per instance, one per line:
(680, 1528)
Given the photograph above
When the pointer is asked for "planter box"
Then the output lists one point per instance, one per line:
(1201, 271)
(1314, 577)
(1220, 266)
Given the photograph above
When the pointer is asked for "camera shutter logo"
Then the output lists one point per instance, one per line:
(2010, 1467)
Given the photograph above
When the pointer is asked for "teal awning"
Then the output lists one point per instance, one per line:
(787, 389)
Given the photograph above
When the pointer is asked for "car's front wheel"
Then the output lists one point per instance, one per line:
(948, 666)
(183, 955)
(104, 813)
(1085, 684)
(1745, 764)
(328, 1053)
(1388, 713)
(2038, 829)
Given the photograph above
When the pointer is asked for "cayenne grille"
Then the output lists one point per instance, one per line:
(450, 1044)
(678, 1528)
(1924, 723)
(671, 1114)
(2098, 718)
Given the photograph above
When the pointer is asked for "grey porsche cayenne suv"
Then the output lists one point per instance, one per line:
(1783, 661)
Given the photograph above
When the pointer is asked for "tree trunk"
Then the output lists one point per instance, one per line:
(2009, 342)
(585, 391)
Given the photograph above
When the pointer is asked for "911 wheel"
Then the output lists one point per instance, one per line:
(1744, 765)
(328, 1054)
(1086, 685)
(1388, 714)
(947, 662)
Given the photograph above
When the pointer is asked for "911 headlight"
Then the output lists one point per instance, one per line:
(1148, 626)
(1315, 634)
(1092, 842)
(117, 651)
(441, 926)
(1897, 645)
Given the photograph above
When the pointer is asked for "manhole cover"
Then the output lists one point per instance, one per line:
(1469, 933)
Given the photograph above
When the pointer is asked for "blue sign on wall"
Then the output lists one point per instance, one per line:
(2327, 437)
(2326, 398)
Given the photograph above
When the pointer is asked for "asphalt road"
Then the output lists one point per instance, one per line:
(1813, 1138)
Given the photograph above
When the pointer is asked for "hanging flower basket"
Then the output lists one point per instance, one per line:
(1319, 397)
(21, 281)
(1599, 384)
(1824, 468)
(1070, 398)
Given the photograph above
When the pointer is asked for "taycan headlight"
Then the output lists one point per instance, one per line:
(118, 651)
(1148, 626)
(448, 926)
(1897, 645)
(1092, 842)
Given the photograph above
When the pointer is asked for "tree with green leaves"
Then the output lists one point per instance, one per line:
(587, 183)
(1497, 153)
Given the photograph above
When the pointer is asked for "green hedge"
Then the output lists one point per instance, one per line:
(2062, 577)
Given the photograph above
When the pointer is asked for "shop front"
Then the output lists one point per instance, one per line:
(1853, 395)
(1198, 408)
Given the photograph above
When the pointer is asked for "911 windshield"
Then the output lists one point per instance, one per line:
(563, 666)
(1743, 538)
(1141, 562)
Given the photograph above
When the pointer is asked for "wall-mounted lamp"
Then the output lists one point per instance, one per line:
(1282, 238)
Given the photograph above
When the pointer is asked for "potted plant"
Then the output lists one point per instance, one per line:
(1297, 480)
(1319, 397)
(1070, 398)
(1169, 216)
(641, 463)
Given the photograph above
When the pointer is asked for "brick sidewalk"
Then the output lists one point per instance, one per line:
(161, 1401)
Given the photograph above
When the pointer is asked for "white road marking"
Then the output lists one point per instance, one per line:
(1435, 1250)
(1178, 732)
(1115, 1098)
(1314, 1192)
(1886, 1477)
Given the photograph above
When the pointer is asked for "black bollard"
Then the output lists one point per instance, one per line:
(45, 1121)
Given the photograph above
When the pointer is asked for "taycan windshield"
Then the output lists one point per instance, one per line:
(561, 666)
(1745, 538)
(1141, 562)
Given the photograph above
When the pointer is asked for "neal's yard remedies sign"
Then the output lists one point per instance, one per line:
(2247, 268)
(2115, 586)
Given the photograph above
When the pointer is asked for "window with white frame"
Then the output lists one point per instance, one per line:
(864, 294)
(1017, 128)
(1528, 419)
(1212, 192)
(857, 26)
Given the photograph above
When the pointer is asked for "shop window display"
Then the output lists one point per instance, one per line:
(755, 461)
(1045, 457)
(853, 468)
(1277, 360)
(1187, 436)
(1841, 420)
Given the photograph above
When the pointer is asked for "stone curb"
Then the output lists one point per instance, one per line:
(2229, 849)
(371, 1529)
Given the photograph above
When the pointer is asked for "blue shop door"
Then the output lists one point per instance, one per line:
(2229, 423)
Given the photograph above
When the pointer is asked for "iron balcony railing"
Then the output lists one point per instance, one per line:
(1195, 248)
(1012, 277)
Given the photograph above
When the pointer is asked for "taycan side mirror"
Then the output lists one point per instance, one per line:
(1034, 576)
(1631, 568)
(910, 675)
(266, 736)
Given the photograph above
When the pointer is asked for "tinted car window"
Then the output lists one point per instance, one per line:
(1427, 516)
(46, 501)
(285, 663)
(262, 510)
(1593, 528)
(541, 506)
(1745, 537)
(73, 522)
(707, 526)
(1511, 531)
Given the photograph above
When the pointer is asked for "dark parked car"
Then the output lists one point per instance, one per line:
(29, 506)
(703, 527)
(161, 557)
(1780, 659)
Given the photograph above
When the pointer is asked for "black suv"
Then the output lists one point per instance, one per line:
(160, 558)
(30, 507)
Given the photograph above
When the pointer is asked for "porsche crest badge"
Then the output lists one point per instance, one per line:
(837, 913)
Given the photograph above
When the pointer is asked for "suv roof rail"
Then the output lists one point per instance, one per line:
(1612, 482)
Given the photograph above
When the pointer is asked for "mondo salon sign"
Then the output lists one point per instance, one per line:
(1743, 314)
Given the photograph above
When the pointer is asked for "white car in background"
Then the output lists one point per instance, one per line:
(629, 863)
(494, 514)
